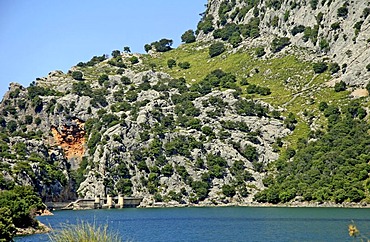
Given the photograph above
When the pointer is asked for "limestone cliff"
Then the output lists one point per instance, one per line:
(203, 130)
(141, 133)
(329, 30)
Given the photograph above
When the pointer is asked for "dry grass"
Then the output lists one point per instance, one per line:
(84, 232)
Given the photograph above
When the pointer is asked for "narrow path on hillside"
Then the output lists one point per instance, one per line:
(306, 88)
(294, 95)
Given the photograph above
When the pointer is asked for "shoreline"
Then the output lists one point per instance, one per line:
(252, 204)
(262, 205)
(41, 229)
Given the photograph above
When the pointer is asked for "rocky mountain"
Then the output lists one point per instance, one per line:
(328, 30)
(140, 133)
(215, 121)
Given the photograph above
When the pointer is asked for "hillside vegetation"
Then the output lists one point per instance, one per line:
(232, 116)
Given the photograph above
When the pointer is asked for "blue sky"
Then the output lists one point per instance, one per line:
(38, 36)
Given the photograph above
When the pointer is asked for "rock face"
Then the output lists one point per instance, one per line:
(338, 31)
(71, 137)
(139, 133)
(127, 129)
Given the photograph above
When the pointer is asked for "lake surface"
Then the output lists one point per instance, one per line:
(219, 224)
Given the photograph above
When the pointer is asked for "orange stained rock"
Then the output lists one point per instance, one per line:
(71, 139)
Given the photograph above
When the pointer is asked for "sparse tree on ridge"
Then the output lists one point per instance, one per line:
(147, 47)
(116, 53)
(126, 49)
(163, 45)
(188, 36)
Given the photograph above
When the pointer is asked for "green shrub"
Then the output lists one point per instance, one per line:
(99, 98)
(340, 86)
(368, 67)
(264, 91)
(94, 140)
(342, 12)
(17, 204)
(251, 29)
(163, 45)
(116, 53)
(357, 26)
(167, 170)
(244, 82)
(102, 79)
(286, 15)
(311, 33)
(38, 121)
(335, 26)
(84, 232)
(124, 186)
(250, 108)
(134, 60)
(323, 106)
(216, 49)
(158, 197)
(313, 4)
(120, 71)
(37, 104)
(275, 21)
(77, 75)
(188, 36)
(334, 67)
(319, 67)
(127, 49)
(131, 96)
(226, 32)
(94, 60)
(340, 148)
(324, 45)
(297, 29)
(290, 121)
(366, 12)
(12, 126)
(125, 80)
(260, 51)
(228, 190)
(28, 119)
(275, 4)
(201, 188)
(171, 63)
(206, 25)
(235, 39)
(279, 43)
(7, 228)
(184, 65)
(142, 166)
(82, 89)
(147, 47)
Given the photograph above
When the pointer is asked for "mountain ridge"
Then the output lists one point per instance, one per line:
(213, 131)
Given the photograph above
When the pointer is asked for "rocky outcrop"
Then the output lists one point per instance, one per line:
(338, 31)
(71, 137)
(141, 133)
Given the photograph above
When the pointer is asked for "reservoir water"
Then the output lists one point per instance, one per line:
(218, 224)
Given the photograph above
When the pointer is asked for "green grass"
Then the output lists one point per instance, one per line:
(293, 84)
(84, 232)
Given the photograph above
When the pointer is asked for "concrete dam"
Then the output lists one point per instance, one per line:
(99, 202)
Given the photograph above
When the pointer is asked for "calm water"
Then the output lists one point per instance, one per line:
(219, 224)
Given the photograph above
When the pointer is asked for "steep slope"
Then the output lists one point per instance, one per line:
(147, 134)
(187, 126)
(335, 30)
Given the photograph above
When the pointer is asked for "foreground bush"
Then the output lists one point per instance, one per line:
(84, 232)
(17, 210)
